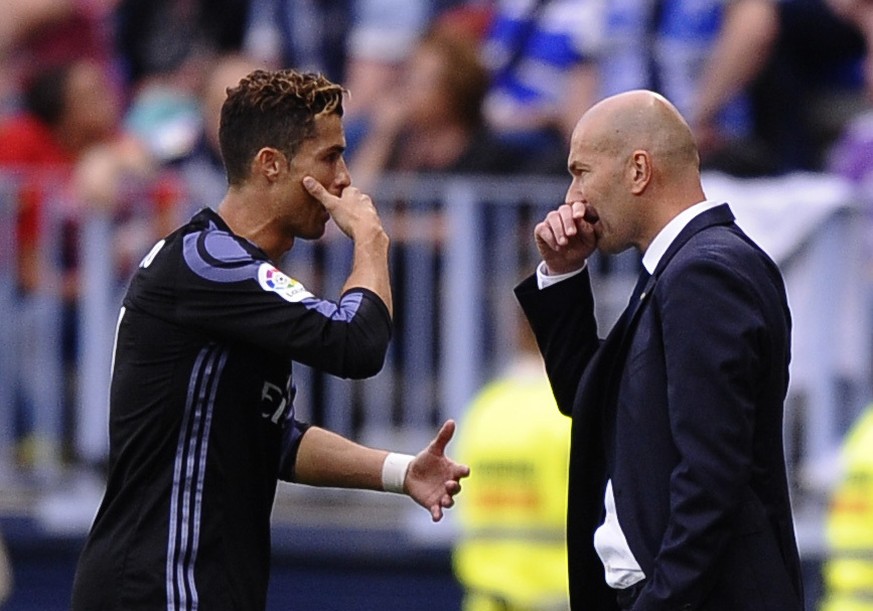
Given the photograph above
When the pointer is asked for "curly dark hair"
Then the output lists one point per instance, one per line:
(275, 108)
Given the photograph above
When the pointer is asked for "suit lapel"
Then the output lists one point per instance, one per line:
(600, 374)
(596, 389)
(720, 215)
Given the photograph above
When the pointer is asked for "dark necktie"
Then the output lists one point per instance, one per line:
(637, 293)
(614, 372)
(642, 279)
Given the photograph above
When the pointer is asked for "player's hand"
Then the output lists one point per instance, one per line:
(353, 211)
(566, 237)
(433, 479)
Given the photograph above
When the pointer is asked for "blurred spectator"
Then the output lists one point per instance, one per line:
(703, 55)
(851, 157)
(308, 35)
(164, 116)
(67, 131)
(167, 47)
(383, 35)
(511, 549)
(470, 19)
(541, 54)
(22, 17)
(433, 120)
(77, 28)
(202, 171)
(860, 13)
(848, 571)
(361, 43)
(160, 37)
(852, 154)
(43, 32)
(64, 149)
(812, 86)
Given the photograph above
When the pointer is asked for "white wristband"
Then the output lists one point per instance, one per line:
(394, 471)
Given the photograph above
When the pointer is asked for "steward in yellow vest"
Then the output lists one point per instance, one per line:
(511, 552)
(848, 573)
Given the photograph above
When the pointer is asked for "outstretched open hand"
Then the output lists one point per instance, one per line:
(433, 479)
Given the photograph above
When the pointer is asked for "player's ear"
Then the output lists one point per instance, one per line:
(269, 162)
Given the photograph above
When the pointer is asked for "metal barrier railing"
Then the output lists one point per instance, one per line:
(459, 245)
(458, 248)
(8, 373)
(31, 336)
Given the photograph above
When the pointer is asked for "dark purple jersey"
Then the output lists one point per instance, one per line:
(202, 419)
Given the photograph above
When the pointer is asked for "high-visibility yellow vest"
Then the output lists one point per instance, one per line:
(848, 572)
(511, 552)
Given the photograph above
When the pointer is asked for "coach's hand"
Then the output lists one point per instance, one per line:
(566, 237)
(433, 479)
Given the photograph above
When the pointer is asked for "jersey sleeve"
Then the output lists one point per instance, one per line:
(227, 292)
(291, 436)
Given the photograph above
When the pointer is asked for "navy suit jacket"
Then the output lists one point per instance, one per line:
(682, 407)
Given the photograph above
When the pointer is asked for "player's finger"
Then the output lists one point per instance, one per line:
(443, 437)
(317, 190)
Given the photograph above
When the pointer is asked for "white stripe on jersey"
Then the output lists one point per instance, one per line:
(188, 476)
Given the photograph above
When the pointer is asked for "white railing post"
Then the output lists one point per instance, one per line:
(461, 307)
(97, 316)
(8, 281)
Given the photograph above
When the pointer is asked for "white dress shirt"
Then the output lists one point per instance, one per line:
(622, 569)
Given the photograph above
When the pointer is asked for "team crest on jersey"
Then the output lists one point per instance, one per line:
(274, 281)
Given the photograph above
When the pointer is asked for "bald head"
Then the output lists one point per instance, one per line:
(641, 120)
(635, 166)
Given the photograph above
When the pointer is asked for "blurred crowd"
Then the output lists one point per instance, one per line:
(111, 106)
(486, 86)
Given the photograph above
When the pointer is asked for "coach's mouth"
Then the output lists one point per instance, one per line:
(590, 215)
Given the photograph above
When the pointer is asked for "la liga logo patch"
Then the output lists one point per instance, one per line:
(274, 281)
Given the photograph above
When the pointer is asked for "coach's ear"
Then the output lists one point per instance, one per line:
(639, 171)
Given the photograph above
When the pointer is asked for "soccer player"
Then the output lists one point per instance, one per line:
(202, 418)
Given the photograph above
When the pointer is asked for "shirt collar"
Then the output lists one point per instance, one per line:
(668, 233)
